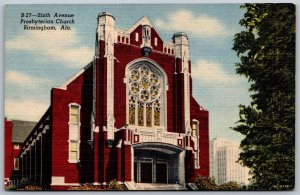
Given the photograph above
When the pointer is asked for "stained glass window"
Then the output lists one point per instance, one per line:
(144, 97)
(157, 113)
(132, 111)
(149, 115)
(141, 114)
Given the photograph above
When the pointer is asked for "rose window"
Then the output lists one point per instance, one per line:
(144, 84)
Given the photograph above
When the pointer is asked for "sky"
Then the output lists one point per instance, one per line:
(36, 61)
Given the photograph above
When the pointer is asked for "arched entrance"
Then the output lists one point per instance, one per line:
(158, 163)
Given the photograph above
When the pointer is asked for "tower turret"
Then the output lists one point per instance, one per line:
(181, 46)
(106, 25)
(106, 32)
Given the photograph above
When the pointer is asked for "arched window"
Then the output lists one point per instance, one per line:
(146, 32)
(146, 95)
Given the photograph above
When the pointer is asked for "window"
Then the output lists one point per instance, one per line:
(74, 114)
(146, 31)
(155, 41)
(195, 127)
(74, 150)
(145, 97)
(74, 132)
(16, 164)
(146, 34)
(136, 37)
(16, 146)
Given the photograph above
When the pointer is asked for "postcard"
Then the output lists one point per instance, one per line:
(155, 97)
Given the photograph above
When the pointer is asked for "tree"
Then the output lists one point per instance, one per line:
(266, 49)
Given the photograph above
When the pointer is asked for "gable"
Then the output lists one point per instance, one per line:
(137, 28)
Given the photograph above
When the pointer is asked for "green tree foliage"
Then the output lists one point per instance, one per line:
(266, 49)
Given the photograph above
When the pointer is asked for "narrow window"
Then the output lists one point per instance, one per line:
(155, 41)
(74, 114)
(137, 37)
(195, 127)
(146, 32)
(16, 164)
(141, 114)
(74, 150)
(132, 111)
(149, 115)
(157, 113)
(74, 132)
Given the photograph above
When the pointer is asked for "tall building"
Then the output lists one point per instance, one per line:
(224, 154)
(128, 115)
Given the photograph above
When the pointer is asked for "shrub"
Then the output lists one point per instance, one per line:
(24, 182)
(30, 188)
(84, 187)
(11, 187)
(114, 185)
(206, 183)
(230, 186)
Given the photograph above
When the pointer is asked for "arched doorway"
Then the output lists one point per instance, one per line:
(158, 163)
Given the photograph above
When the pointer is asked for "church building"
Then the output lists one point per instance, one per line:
(128, 115)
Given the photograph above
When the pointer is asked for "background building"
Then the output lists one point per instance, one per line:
(224, 154)
(16, 132)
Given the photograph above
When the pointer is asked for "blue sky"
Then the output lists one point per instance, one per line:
(36, 61)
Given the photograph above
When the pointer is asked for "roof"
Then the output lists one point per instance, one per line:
(21, 129)
(72, 78)
(143, 21)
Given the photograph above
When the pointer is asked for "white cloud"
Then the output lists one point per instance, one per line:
(186, 21)
(213, 73)
(29, 110)
(61, 46)
(24, 80)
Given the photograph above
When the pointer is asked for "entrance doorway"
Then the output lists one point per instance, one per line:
(150, 170)
(146, 172)
(157, 163)
(161, 173)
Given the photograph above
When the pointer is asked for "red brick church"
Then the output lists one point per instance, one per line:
(128, 115)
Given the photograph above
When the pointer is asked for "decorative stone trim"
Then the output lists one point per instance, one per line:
(60, 181)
